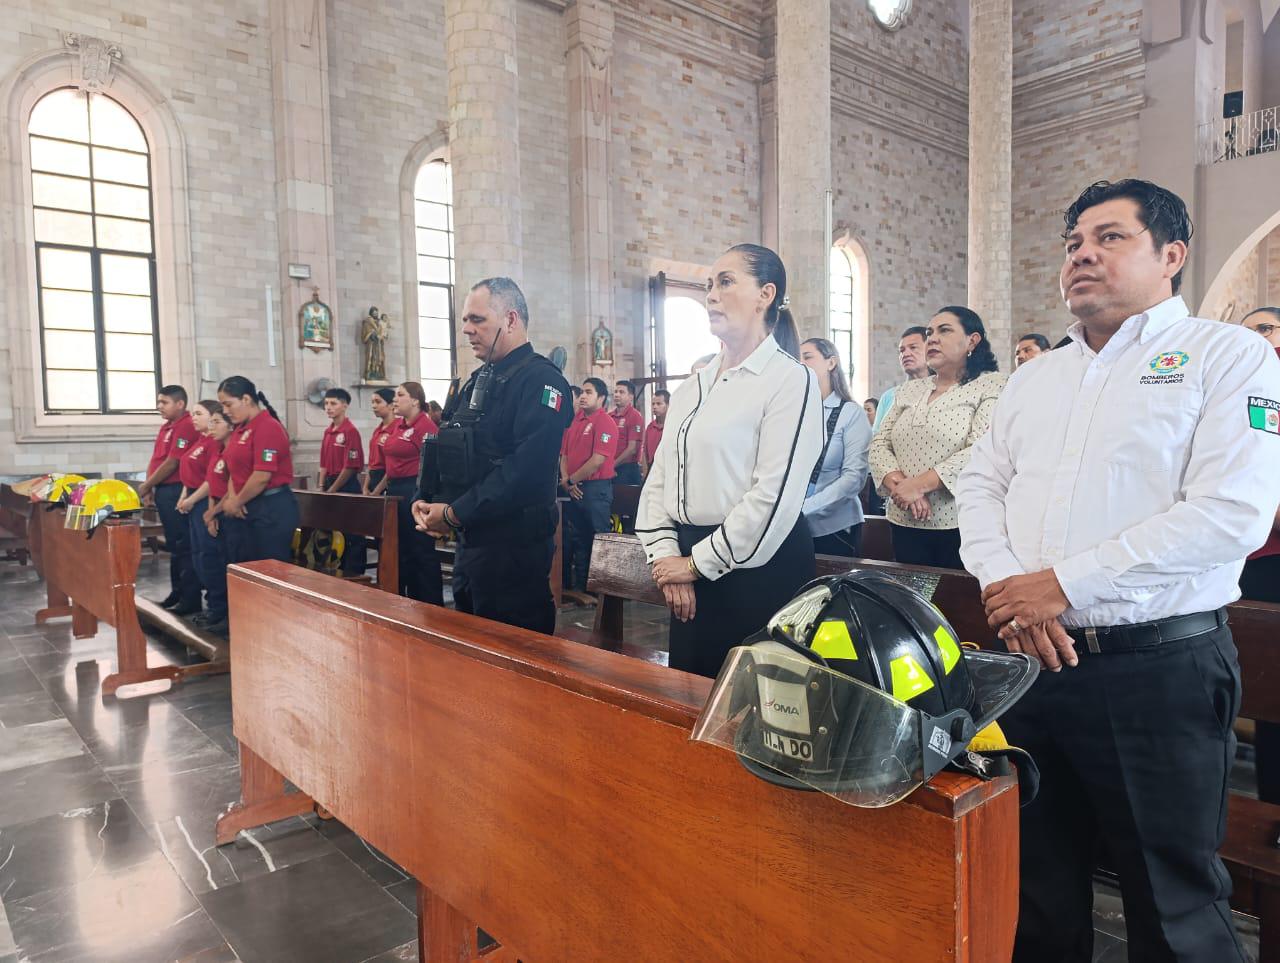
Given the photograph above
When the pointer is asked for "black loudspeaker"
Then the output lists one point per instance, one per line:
(1233, 104)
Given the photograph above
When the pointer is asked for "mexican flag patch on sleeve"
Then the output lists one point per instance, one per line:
(551, 397)
(268, 454)
(1264, 415)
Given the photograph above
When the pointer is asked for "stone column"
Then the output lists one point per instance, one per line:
(484, 152)
(304, 203)
(802, 61)
(589, 27)
(990, 256)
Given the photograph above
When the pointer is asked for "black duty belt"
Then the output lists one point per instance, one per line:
(275, 491)
(1141, 635)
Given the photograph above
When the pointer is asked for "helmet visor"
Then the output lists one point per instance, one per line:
(797, 723)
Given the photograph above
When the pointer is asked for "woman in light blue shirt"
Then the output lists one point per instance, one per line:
(831, 505)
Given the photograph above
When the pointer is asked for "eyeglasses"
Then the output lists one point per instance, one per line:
(1265, 329)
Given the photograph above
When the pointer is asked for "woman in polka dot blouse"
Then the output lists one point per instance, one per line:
(924, 441)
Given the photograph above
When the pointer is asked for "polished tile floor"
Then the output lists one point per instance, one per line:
(107, 811)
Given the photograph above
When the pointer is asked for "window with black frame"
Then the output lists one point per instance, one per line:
(433, 223)
(95, 255)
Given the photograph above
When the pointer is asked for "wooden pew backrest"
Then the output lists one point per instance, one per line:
(373, 516)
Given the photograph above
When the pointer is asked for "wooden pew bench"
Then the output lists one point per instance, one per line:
(620, 574)
(373, 516)
(549, 792)
(15, 511)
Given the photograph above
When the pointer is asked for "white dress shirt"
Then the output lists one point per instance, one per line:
(1134, 473)
(919, 434)
(737, 453)
(833, 505)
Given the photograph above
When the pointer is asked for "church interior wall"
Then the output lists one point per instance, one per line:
(900, 164)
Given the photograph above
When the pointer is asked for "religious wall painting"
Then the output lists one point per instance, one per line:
(315, 323)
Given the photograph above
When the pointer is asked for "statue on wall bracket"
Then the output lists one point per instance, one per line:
(375, 331)
(315, 322)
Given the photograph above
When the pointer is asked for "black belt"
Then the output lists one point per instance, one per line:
(1124, 638)
(275, 491)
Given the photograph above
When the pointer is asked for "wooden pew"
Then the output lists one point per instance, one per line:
(370, 515)
(15, 510)
(549, 792)
(626, 502)
(877, 540)
(619, 574)
(92, 579)
(152, 530)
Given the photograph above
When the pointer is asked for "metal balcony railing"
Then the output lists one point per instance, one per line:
(1235, 137)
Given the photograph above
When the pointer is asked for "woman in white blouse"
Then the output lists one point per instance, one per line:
(720, 514)
(925, 439)
(832, 507)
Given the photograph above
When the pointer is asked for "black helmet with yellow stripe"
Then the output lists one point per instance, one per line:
(859, 687)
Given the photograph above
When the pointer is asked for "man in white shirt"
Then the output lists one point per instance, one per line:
(911, 357)
(1107, 515)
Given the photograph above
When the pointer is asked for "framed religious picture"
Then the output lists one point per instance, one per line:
(315, 324)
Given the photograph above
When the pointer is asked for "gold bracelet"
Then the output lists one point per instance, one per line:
(693, 568)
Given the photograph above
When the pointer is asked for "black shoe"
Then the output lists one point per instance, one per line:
(186, 608)
(170, 600)
(200, 618)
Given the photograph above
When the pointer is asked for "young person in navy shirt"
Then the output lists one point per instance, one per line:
(420, 576)
(259, 512)
(586, 472)
(164, 486)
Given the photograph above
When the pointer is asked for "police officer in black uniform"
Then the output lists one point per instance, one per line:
(490, 474)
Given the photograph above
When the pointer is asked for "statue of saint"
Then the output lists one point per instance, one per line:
(374, 332)
(602, 345)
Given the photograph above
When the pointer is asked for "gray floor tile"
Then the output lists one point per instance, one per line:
(38, 743)
(53, 787)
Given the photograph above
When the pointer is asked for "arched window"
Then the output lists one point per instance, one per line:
(849, 324)
(95, 255)
(433, 222)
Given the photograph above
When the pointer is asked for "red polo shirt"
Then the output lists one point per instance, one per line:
(341, 448)
(172, 441)
(630, 425)
(376, 442)
(216, 474)
(193, 466)
(260, 444)
(590, 435)
(403, 449)
(652, 439)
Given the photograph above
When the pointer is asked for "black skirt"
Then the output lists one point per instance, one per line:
(739, 604)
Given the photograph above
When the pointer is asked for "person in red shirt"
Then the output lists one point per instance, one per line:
(630, 427)
(193, 469)
(164, 488)
(653, 433)
(1260, 581)
(341, 459)
(259, 512)
(586, 473)
(383, 410)
(420, 576)
(214, 572)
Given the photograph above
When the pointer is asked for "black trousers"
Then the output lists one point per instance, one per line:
(508, 582)
(846, 544)
(587, 517)
(1134, 750)
(266, 531)
(183, 579)
(355, 554)
(628, 474)
(738, 604)
(1260, 582)
(420, 576)
(939, 547)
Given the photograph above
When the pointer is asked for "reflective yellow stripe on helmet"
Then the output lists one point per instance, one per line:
(908, 679)
(948, 647)
(832, 641)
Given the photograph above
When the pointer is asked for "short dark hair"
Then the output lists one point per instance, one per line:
(602, 389)
(509, 293)
(629, 385)
(1266, 309)
(1162, 212)
(386, 394)
(664, 394)
(1041, 341)
(873, 402)
(917, 329)
(342, 394)
(575, 390)
(175, 392)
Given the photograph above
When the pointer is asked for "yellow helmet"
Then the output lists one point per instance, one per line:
(102, 500)
(53, 488)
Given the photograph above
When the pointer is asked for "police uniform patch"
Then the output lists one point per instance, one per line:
(268, 454)
(551, 397)
(1264, 415)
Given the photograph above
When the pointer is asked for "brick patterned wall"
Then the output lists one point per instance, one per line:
(899, 168)
(212, 65)
(1273, 268)
(1240, 293)
(1061, 142)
